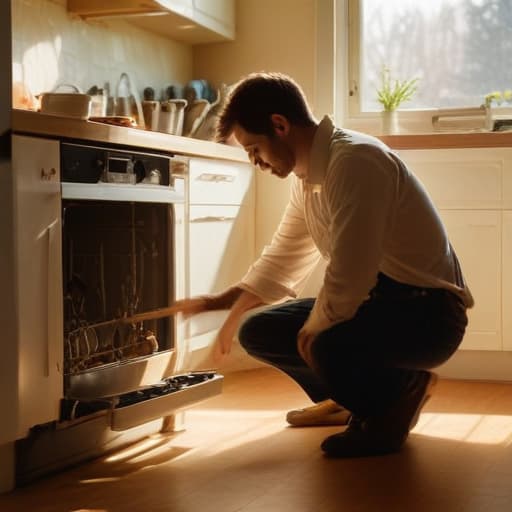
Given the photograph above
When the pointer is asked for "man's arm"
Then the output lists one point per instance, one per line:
(236, 299)
(201, 303)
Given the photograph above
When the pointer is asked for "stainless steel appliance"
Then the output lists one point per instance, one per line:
(123, 253)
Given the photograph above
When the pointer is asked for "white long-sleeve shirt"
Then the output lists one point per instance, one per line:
(361, 209)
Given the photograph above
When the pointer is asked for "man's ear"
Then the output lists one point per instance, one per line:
(281, 124)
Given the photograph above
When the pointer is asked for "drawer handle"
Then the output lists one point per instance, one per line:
(211, 218)
(216, 178)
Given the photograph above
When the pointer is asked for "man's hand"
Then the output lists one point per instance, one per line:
(224, 340)
(305, 340)
(201, 303)
(193, 305)
(244, 302)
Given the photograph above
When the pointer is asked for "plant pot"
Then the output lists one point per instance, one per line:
(389, 122)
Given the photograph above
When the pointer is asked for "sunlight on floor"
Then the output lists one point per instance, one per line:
(236, 413)
(223, 424)
(136, 449)
(89, 510)
(104, 480)
(470, 428)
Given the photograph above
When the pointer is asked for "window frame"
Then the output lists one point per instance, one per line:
(411, 121)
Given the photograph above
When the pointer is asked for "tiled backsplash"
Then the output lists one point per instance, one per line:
(51, 47)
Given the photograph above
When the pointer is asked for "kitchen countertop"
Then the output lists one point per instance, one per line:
(35, 123)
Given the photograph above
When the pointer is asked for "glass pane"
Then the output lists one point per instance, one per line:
(460, 50)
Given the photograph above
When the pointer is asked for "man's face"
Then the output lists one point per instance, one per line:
(268, 153)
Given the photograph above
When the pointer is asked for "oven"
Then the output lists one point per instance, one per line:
(123, 238)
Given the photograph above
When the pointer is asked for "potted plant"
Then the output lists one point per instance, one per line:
(391, 94)
(498, 107)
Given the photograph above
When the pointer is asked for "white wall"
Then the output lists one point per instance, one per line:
(49, 47)
(270, 36)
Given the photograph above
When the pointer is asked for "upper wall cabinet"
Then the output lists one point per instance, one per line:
(188, 21)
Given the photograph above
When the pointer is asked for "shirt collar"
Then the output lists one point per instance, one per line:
(319, 157)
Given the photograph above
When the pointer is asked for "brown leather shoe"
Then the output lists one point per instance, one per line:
(385, 433)
(326, 412)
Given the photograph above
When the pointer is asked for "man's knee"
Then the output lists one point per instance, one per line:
(252, 332)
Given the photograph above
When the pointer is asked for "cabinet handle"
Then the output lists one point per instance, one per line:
(51, 299)
(210, 218)
(48, 174)
(216, 178)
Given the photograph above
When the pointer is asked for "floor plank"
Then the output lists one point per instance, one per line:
(238, 455)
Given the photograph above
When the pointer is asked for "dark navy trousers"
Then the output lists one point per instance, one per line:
(365, 363)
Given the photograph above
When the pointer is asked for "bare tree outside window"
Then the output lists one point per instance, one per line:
(460, 49)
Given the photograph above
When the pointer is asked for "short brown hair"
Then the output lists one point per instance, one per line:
(256, 97)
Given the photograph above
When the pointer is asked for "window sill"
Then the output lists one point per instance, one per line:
(416, 132)
(448, 140)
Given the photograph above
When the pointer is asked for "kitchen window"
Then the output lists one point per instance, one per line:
(459, 49)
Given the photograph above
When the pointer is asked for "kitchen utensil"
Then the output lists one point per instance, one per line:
(98, 101)
(174, 92)
(148, 94)
(206, 129)
(127, 100)
(151, 110)
(197, 90)
(172, 114)
(194, 115)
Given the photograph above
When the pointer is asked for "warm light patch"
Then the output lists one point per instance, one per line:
(259, 425)
(49, 53)
(134, 450)
(104, 480)
(470, 428)
(89, 510)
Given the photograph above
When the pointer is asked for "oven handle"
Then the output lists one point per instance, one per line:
(122, 192)
(51, 296)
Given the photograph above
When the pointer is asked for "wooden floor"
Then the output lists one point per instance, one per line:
(237, 454)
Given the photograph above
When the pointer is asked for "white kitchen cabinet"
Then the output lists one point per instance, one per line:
(189, 21)
(471, 188)
(507, 280)
(476, 238)
(219, 182)
(221, 246)
(37, 366)
(220, 224)
(221, 240)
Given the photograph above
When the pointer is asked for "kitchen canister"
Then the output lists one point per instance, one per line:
(172, 114)
(151, 111)
(67, 104)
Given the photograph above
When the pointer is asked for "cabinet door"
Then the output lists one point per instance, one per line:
(221, 245)
(507, 280)
(37, 224)
(221, 248)
(219, 182)
(216, 15)
(476, 238)
(460, 179)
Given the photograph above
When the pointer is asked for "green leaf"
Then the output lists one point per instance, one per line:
(392, 96)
